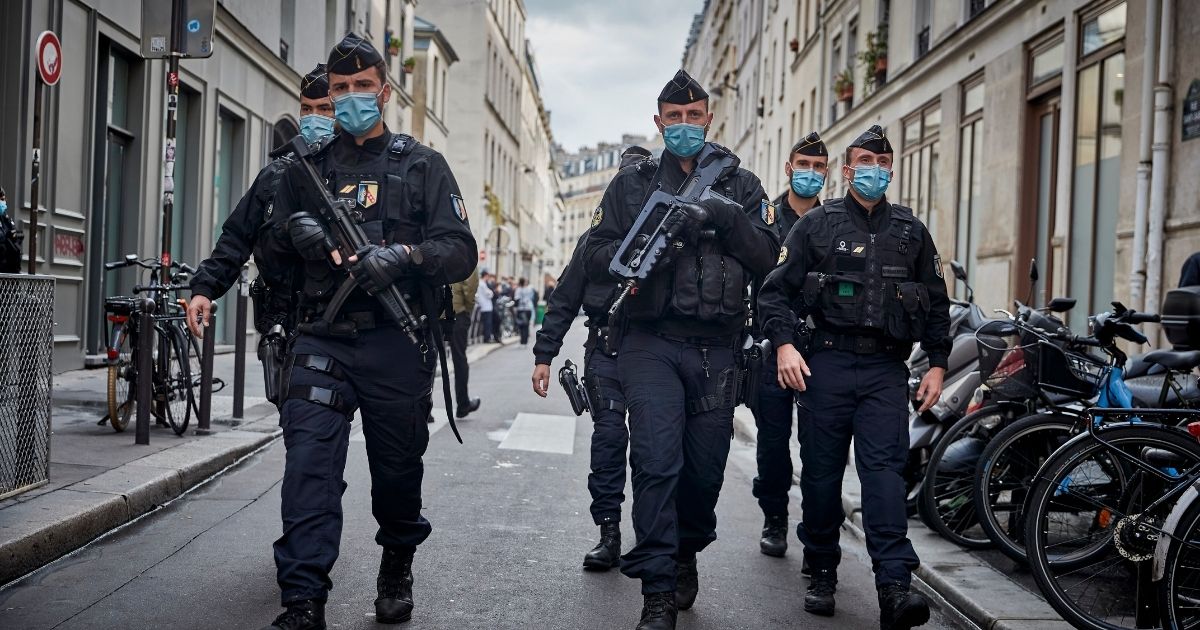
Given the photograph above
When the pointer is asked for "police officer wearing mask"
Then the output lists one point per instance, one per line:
(406, 200)
(869, 275)
(10, 240)
(610, 437)
(676, 359)
(773, 409)
(254, 227)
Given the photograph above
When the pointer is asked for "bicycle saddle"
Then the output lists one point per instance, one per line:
(1147, 389)
(1182, 361)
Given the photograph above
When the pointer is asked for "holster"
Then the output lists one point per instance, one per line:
(271, 307)
(568, 377)
(751, 360)
(272, 352)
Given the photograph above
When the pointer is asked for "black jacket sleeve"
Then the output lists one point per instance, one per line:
(936, 342)
(746, 235)
(449, 253)
(561, 309)
(783, 286)
(610, 223)
(219, 271)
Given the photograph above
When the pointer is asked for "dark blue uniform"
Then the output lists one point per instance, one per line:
(676, 359)
(873, 285)
(401, 193)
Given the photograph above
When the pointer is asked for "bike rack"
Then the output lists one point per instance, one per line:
(203, 423)
(145, 368)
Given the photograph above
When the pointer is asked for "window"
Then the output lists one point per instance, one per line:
(287, 27)
(1046, 61)
(923, 23)
(918, 162)
(970, 161)
(1103, 30)
(227, 189)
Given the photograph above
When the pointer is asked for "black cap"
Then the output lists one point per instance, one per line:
(873, 140)
(352, 55)
(810, 145)
(681, 90)
(315, 84)
(634, 154)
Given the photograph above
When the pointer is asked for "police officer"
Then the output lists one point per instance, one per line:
(10, 239)
(406, 201)
(805, 169)
(869, 275)
(254, 227)
(676, 359)
(610, 437)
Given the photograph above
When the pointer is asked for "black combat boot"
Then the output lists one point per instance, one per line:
(394, 584)
(659, 612)
(607, 553)
(818, 600)
(900, 608)
(465, 410)
(308, 614)
(687, 583)
(774, 536)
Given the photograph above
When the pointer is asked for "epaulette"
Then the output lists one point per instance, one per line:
(402, 144)
(646, 168)
(319, 147)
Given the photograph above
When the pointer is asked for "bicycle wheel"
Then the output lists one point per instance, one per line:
(175, 386)
(120, 395)
(946, 502)
(1087, 530)
(1179, 589)
(1006, 469)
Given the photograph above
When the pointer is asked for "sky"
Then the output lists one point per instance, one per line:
(602, 63)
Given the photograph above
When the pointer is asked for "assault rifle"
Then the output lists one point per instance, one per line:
(344, 235)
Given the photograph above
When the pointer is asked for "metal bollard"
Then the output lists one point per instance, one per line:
(145, 370)
(239, 344)
(204, 422)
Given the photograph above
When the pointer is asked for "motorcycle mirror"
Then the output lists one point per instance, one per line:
(1060, 305)
(958, 270)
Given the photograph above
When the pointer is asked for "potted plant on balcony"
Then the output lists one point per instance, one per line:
(409, 64)
(794, 44)
(874, 57)
(393, 45)
(843, 85)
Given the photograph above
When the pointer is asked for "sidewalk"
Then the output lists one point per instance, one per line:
(954, 578)
(100, 479)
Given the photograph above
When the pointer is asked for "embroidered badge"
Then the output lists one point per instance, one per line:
(597, 216)
(768, 212)
(460, 208)
(858, 250)
(841, 247)
(368, 194)
(347, 189)
(937, 266)
(845, 289)
(782, 256)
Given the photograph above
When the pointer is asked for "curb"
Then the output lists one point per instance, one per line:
(970, 591)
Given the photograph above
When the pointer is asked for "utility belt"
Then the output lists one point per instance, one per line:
(348, 324)
(722, 341)
(859, 344)
(603, 339)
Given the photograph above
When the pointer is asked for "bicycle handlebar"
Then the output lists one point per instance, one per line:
(141, 288)
(151, 264)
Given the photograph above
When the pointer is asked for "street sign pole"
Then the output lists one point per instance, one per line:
(168, 202)
(35, 184)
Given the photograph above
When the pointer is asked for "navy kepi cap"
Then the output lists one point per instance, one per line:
(873, 140)
(810, 145)
(352, 55)
(315, 84)
(681, 90)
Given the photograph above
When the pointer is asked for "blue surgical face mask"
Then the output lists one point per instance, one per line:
(315, 127)
(683, 139)
(3, 208)
(871, 181)
(357, 112)
(807, 183)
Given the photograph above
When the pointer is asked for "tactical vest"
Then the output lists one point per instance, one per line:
(379, 200)
(868, 281)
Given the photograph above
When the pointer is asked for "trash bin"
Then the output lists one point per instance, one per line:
(541, 313)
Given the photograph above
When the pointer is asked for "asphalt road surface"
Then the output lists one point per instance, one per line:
(511, 525)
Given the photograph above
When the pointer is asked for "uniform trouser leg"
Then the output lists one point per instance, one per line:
(677, 459)
(773, 417)
(458, 354)
(316, 439)
(610, 437)
(880, 452)
(394, 383)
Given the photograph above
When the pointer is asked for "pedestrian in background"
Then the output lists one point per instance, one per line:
(10, 239)
(1189, 275)
(484, 298)
(463, 300)
(524, 296)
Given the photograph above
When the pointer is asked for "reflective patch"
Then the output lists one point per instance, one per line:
(349, 188)
(368, 194)
(858, 250)
(768, 212)
(782, 256)
(460, 208)
(937, 266)
(597, 216)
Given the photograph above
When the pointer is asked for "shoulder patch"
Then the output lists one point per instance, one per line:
(460, 208)
(597, 216)
(768, 212)
(783, 253)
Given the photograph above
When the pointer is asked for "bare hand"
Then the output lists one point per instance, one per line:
(931, 388)
(198, 310)
(541, 379)
(792, 368)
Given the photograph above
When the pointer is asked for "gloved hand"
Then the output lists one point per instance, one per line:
(721, 214)
(685, 220)
(376, 268)
(308, 236)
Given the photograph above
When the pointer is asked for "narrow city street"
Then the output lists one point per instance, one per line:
(511, 524)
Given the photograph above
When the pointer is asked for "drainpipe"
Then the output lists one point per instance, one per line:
(1161, 159)
(1137, 271)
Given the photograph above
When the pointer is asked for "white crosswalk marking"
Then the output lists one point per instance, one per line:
(542, 433)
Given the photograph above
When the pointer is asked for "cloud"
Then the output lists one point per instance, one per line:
(602, 64)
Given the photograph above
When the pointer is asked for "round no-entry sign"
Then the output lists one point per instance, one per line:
(48, 52)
